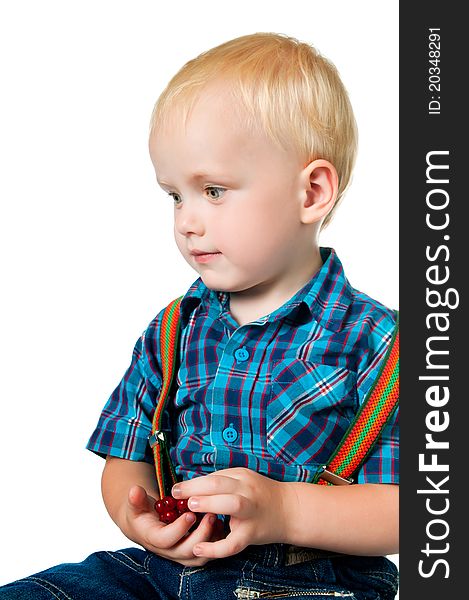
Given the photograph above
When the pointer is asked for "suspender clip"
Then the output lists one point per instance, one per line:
(159, 437)
(333, 478)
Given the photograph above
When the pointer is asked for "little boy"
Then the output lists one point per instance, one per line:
(254, 141)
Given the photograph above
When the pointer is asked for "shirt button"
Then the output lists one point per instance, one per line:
(241, 354)
(230, 434)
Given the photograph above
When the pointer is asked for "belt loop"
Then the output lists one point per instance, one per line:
(278, 548)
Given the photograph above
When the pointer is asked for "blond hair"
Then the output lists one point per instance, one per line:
(288, 89)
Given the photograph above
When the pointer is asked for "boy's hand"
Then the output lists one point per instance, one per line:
(259, 508)
(140, 522)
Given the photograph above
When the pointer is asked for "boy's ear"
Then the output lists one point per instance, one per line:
(319, 185)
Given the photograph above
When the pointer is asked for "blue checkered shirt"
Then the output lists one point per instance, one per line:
(275, 395)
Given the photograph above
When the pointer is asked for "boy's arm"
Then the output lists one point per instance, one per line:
(357, 519)
(119, 476)
(354, 519)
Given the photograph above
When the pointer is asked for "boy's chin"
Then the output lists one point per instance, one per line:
(215, 282)
(212, 284)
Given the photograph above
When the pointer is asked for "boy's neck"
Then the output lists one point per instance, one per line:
(249, 305)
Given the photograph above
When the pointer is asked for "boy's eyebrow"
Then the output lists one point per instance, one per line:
(195, 177)
(162, 182)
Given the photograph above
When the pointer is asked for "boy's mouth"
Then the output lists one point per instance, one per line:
(202, 256)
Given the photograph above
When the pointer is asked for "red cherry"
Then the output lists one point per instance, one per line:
(182, 506)
(160, 507)
(169, 516)
(169, 502)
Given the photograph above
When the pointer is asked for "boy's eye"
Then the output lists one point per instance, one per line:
(215, 192)
(176, 197)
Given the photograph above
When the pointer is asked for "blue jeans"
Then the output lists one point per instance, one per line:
(271, 571)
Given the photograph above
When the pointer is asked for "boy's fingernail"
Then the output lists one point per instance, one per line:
(193, 503)
(176, 491)
(212, 519)
(190, 518)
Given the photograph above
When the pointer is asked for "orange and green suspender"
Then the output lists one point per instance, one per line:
(376, 410)
(169, 335)
(356, 444)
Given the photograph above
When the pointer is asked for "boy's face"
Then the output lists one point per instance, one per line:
(236, 198)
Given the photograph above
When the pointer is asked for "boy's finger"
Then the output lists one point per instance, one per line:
(222, 504)
(206, 530)
(139, 500)
(209, 485)
(169, 535)
(227, 547)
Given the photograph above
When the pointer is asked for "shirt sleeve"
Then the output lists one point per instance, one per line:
(126, 419)
(382, 464)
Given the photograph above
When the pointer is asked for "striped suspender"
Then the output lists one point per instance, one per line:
(365, 429)
(358, 440)
(169, 335)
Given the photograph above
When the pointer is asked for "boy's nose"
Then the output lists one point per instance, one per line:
(188, 220)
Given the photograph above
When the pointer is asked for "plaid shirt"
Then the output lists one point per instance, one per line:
(275, 395)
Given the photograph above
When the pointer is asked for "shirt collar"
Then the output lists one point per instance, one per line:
(200, 294)
(326, 297)
(330, 293)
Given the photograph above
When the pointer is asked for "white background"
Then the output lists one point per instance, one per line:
(86, 235)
